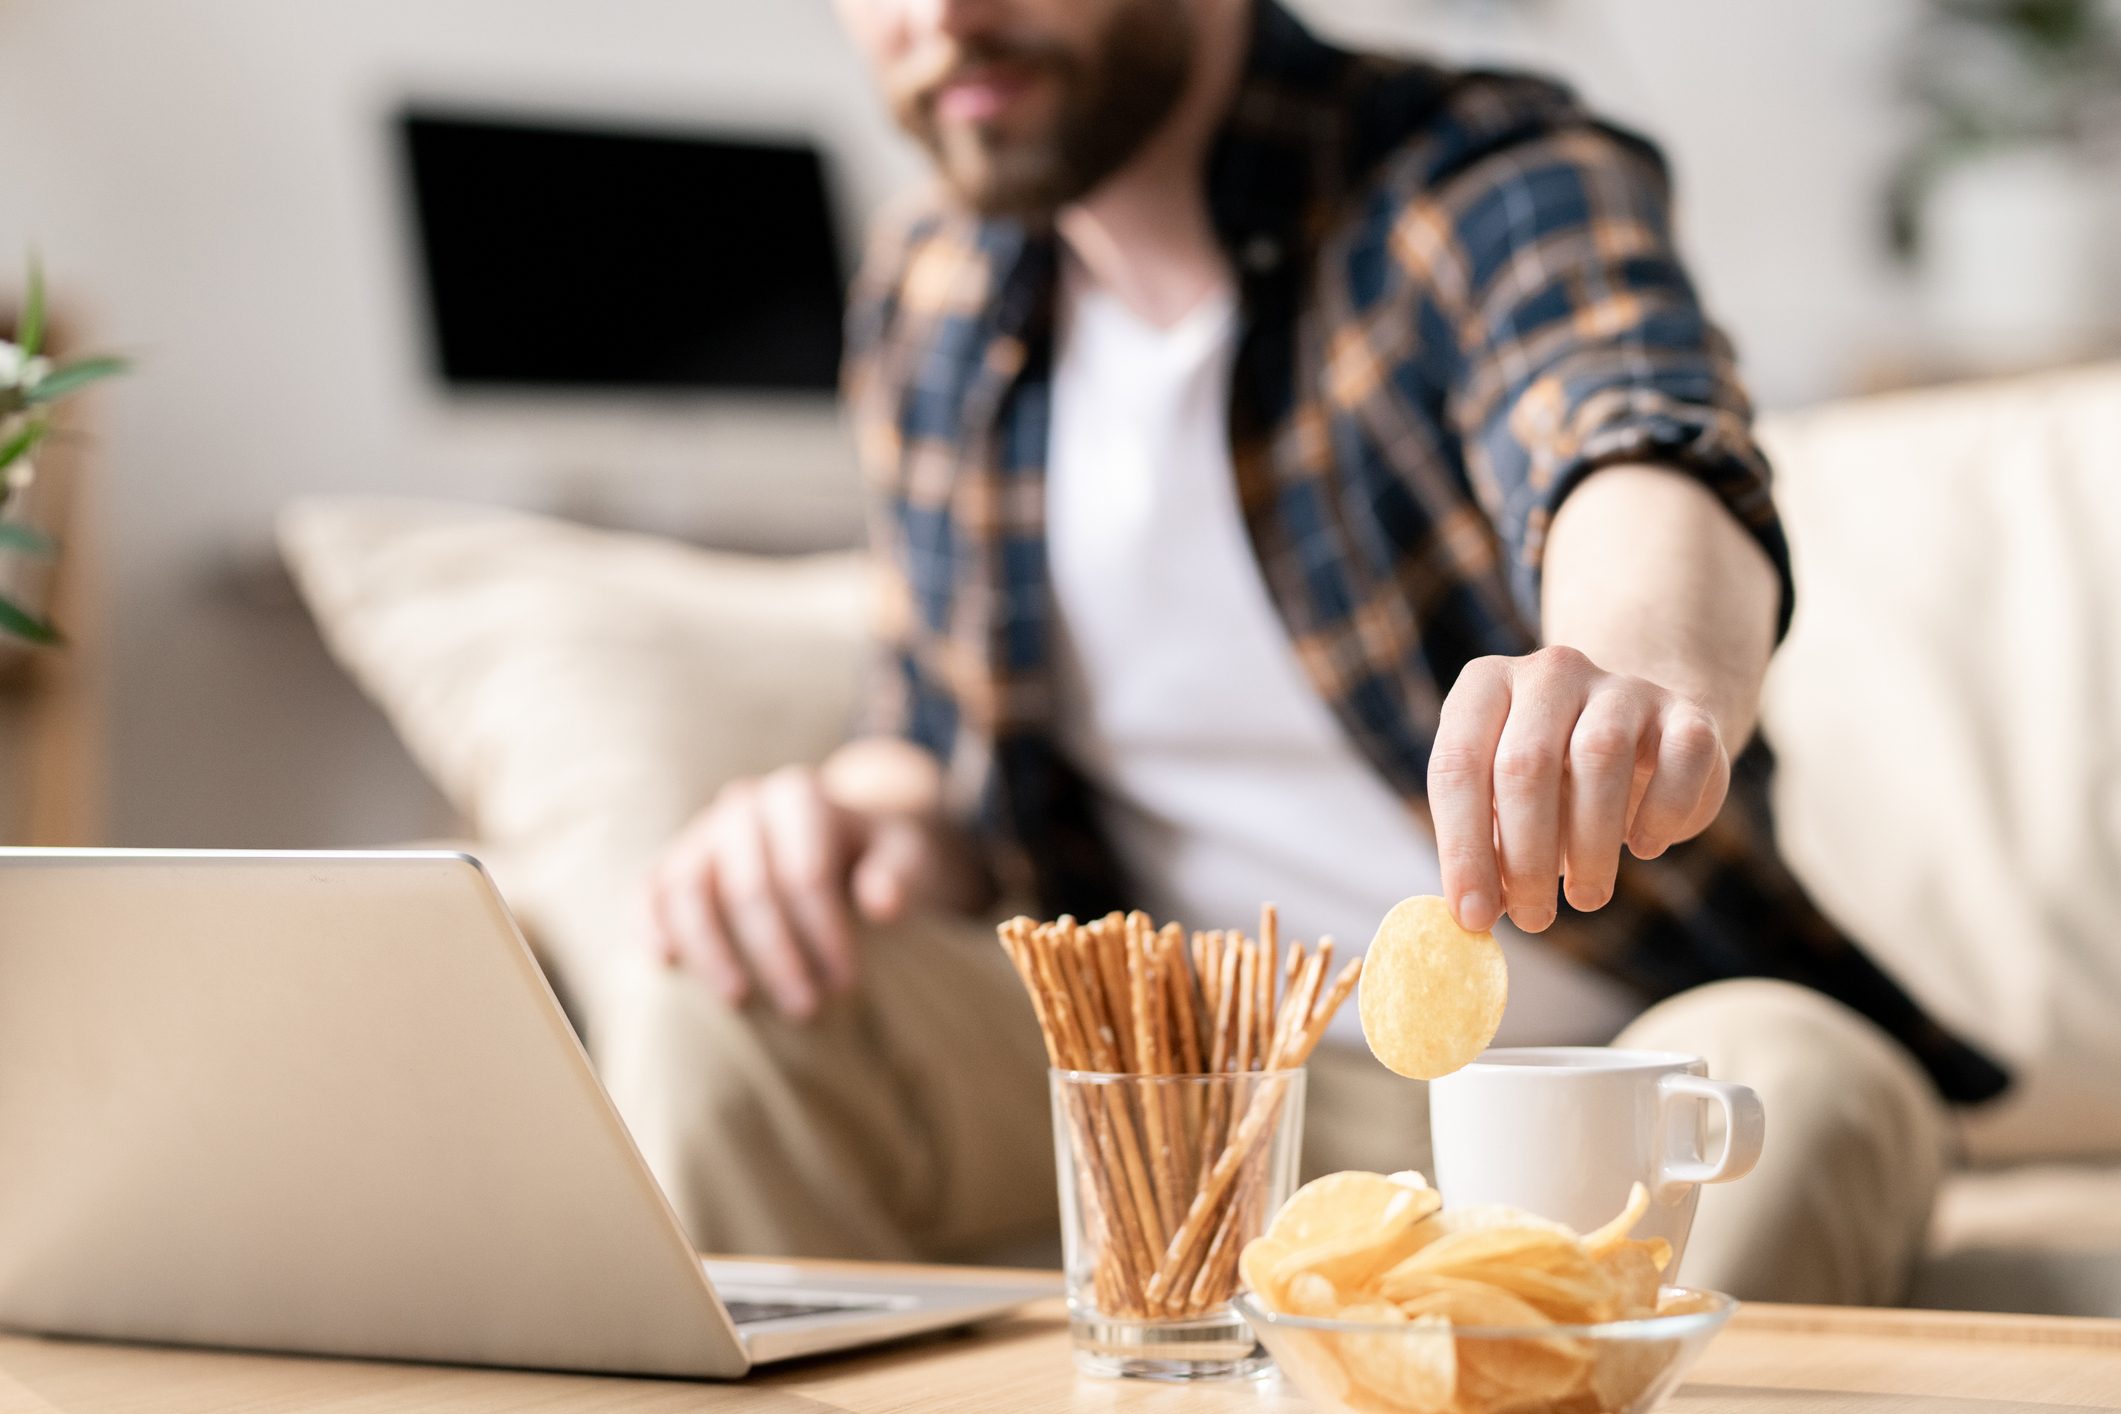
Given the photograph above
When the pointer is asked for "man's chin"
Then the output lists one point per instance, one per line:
(1027, 186)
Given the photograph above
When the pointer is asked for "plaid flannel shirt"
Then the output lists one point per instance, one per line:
(1460, 297)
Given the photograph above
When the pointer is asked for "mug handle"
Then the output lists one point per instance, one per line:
(1744, 1128)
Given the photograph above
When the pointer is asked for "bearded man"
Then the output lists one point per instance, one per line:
(1300, 476)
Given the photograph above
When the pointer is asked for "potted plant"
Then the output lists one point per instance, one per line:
(30, 385)
(2006, 201)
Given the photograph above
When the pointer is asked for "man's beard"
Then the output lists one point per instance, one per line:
(1110, 102)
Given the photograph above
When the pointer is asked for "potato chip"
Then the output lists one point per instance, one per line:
(1526, 1246)
(1432, 993)
(1485, 1215)
(1310, 1294)
(1684, 1303)
(1606, 1238)
(1342, 1204)
(1256, 1263)
(1531, 1370)
(1311, 1361)
(1570, 1300)
(1411, 1286)
(1632, 1273)
(1625, 1369)
(1350, 1263)
(1401, 1367)
(1472, 1303)
(1357, 1255)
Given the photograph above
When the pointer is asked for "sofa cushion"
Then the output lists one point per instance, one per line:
(2043, 1238)
(1947, 711)
(577, 694)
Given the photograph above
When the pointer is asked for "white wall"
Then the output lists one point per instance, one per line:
(210, 182)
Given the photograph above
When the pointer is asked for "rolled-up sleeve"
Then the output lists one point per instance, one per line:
(1579, 340)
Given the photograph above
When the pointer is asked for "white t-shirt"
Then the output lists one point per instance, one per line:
(1223, 779)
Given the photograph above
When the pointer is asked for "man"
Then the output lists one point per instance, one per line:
(1300, 476)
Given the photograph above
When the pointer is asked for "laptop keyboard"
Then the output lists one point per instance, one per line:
(746, 1313)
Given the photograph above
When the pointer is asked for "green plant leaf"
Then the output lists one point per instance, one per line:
(26, 538)
(17, 447)
(29, 334)
(74, 377)
(22, 624)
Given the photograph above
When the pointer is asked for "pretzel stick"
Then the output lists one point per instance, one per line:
(1186, 1100)
(1223, 961)
(1292, 973)
(1269, 959)
(1324, 955)
(1247, 999)
(1163, 1178)
(1184, 1253)
(1109, 949)
(1140, 1223)
(1226, 1008)
(1217, 1281)
(1086, 979)
(1263, 1006)
(1205, 969)
(1119, 1128)
(1123, 1247)
(1168, 1180)
(1296, 1009)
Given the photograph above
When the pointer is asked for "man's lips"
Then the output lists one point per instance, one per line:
(983, 94)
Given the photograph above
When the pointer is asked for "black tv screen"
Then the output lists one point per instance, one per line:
(560, 256)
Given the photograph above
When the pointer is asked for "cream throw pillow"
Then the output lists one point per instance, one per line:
(1948, 714)
(577, 694)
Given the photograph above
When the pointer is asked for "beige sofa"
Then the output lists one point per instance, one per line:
(1947, 711)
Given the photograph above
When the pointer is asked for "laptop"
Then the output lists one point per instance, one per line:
(326, 1103)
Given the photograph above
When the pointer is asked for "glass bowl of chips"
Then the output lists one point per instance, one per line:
(1370, 1296)
(1374, 1357)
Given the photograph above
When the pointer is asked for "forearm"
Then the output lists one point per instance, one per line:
(1646, 573)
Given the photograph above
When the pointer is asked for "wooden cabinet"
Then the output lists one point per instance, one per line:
(52, 720)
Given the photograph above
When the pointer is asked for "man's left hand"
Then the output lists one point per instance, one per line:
(1545, 765)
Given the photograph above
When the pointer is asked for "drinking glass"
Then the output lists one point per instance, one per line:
(1163, 1179)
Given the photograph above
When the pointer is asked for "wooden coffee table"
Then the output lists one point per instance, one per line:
(1770, 1360)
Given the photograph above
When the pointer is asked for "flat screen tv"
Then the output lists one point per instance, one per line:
(561, 255)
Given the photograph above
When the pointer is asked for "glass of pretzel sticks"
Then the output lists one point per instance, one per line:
(1177, 1085)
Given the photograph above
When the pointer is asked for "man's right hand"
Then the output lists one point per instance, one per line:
(761, 890)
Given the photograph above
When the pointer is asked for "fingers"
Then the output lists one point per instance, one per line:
(1692, 775)
(688, 934)
(1461, 791)
(752, 896)
(1544, 766)
(1606, 753)
(897, 867)
(753, 911)
(1547, 695)
(806, 861)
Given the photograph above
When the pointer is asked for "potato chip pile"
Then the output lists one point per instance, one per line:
(1375, 1248)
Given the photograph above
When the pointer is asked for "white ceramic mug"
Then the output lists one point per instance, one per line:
(1565, 1131)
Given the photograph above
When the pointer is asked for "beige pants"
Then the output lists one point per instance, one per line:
(910, 1120)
